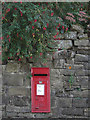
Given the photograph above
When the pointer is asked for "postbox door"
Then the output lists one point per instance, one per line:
(41, 95)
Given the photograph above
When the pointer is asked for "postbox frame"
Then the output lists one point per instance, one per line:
(40, 70)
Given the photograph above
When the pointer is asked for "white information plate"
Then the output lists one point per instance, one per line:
(40, 89)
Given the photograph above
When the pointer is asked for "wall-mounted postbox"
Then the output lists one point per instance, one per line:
(40, 90)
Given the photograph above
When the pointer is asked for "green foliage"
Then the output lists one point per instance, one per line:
(29, 28)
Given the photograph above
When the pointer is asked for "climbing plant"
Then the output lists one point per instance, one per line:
(29, 29)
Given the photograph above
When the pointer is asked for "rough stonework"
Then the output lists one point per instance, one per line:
(69, 75)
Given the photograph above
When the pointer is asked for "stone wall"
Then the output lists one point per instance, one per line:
(69, 71)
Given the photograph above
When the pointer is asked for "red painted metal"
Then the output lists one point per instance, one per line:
(40, 99)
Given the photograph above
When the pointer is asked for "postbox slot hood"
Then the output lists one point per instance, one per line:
(40, 74)
(40, 71)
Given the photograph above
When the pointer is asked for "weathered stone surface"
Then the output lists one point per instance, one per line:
(82, 36)
(72, 111)
(86, 66)
(12, 67)
(80, 72)
(84, 48)
(65, 44)
(25, 67)
(25, 115)
(64, 102)
(17, 109)
(11, 114)
(22, 91)
(3, 67)
(78, 28)
(71, 35)
(83, 81)
(57, 83)
(81, 42)
(53, 101)
(50, 64)
(80, 58)
(57, 112)
(59, 63)
(62, 54)
(79, 102)
(85, 52)
(26, 81)
(78, 67)
(67, 72)
(69, 86)
(18, 101)
(87, 72)
(37, 116)
(87, 112)
(79, 93)
(55, 73)
(12, 79)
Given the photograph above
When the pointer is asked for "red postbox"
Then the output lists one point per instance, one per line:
(40, 90)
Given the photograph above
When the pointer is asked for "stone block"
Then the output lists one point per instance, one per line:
(12, 67)
(18, 109)
(27, 81)
(53, 101)
(87, 112)
(74, 66)
(78, 28)
(65, 44)
(81, 58)
(87, 72)
(11, 114)
(64, 102)
(85, 52)
(12, 79)
(56, 112)
(80, 72)
(54, 73)
(39, 116)
(18, 101)
(62, 54)
(81, 42)
(27, 116)
(25, 67)
(83, 81)
(79, 93)
(82, 36)
(3, 68)
(86, 65)
(59, 63)
(67, 72)
(71, 35)
(83, 48)
(73, 111)
(50, 64)
(79, 102)
(57, 83)
(22, 91)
